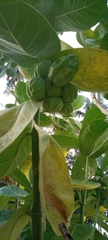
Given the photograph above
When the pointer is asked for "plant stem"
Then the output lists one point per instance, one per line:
(96, 214)
(37, 230)
(84, 194)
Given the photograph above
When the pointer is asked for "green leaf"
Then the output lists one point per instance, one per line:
(18, 118)
(102, 223)
(20, 178)
(46, 9)
(20, 92)
(93, 114)
(26, 234)
(5, 216)
(103, 25)
(100, 142)
(87, 185)
(78, 15)
(90, 134)
(104, 42)
(15, 154)
(83, 36)
(45, 121)
(103, 163)
(66, 141)
(49, 234)
(98, 236)
(3, 201)
(12, 228)
(79, 168)
(13, 191)
(78, 102)
(26, 36)
(81, 232)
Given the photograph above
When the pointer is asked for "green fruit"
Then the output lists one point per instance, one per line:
(53, 91)
(105, 95)
(69, 93)
(67, 108)
(53, 104)
(36, 88)
(63, 70)
(43, 68)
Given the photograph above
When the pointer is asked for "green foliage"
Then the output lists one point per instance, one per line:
(29, 39)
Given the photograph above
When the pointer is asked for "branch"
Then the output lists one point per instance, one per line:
(98, 104)
(65, 233)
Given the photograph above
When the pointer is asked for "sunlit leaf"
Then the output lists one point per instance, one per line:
(93, 114)
(18, 118)
(78, 15)
(13, 227)
(89, 136)
(103, 163)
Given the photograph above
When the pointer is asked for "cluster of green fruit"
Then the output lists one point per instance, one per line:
(52, 84)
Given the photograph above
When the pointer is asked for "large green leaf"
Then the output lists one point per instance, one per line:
(89, 136)
(12, 228)
(13, 191)
(103, 26)
(93, 114)
(103, 163)
(66, 141)
(80, 15)
(20, 178)
(46, 8)
(26, 35)
(79, 168)
(14, 120)
(98, 236)
(81, 232)
(15, 154)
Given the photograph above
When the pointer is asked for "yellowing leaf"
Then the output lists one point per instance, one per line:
(25, 166)
(92, 74)
(64, 151)
(84, 184)
(55, 184)
(102, 209)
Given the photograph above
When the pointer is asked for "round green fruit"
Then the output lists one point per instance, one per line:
(69, 93)
(67, 108)
(53, 104)
(53, 91)
(63, 70)
(43, 67)
(36, 88)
